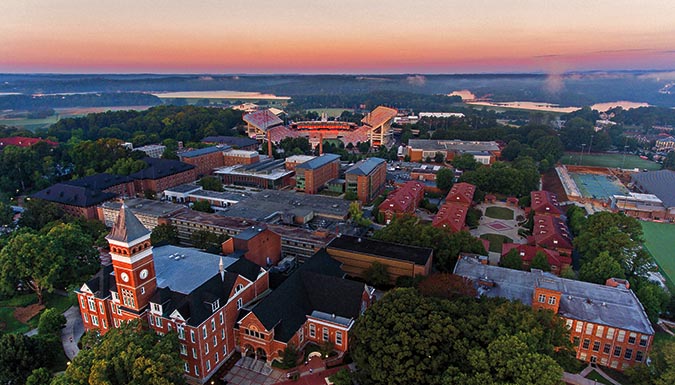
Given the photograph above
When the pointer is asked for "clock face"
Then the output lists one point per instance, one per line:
(144, 274)
(125, 277)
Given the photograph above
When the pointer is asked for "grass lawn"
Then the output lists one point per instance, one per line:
(659, 242)
(499, 212)
(593, 375)
(496, 241)
(12, 325)
(609, 160)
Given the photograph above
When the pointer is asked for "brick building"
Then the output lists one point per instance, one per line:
(233, 157)
(486, 152)
(312, 175)
(607, 323)
(205, 159)
(199, 295)
(452, 213)
(401, 201)
(147, 211)
(545, 203)
(358, 254)
(258, 244)
(527, 253)
(268, 174)
(162, 174)
(236, 142)
(367, 179)
(551, 233)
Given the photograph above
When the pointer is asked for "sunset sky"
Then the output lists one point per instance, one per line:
(337, 36)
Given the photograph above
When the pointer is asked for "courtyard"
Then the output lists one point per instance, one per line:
(498, 225)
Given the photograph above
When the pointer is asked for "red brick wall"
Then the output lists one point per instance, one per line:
(204, 164)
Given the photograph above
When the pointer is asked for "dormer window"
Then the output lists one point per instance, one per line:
(156, 308)
(215, 305)
(239, 288)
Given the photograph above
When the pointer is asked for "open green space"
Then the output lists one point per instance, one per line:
(496, 241)
(30, 124)
(595, 376)
(9, 324)
(609, 160)
(499, 212)
(659, 242)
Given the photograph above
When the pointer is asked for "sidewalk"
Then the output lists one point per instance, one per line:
(73, 331)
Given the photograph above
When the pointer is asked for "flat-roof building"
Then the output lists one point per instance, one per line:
(312, 175)
(205, 160)
(236, 142)
(642, 206)
(147, 211)
(420, 149)
(152, 150)
(367, 178)
(659, 183)
(267, 174)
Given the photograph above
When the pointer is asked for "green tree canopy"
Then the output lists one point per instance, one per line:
(19, 355)
(540, 261)
(51, 322)
(600, 269)
(211, 183)
(444, 179)
(512, 260)
(130, 354)
(164, 233)
(376, 274)
(203, 206)
(465, 162)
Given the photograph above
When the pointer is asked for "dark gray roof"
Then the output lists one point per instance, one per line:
(611, 306)
(251, 232)
(234, 141)
(365, 167)
(160, 168)
(417, 255)
(660, 183)
(73, 195)
(99, 181)
(127, 227)
(316, 286)
(319, 161)
(203, 151)
(101, 283)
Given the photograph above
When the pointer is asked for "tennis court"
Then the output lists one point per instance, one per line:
(597, 186)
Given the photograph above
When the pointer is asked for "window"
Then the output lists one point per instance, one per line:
(596, 346)
(82, 303)
(158, 321)
(208, 365)
(617, 351)
(105, 326)
(240, 303)
(151, 321)
(312, 330)
(221, 318)
(204, 332)
(551, 300)
(192, 335)
(206, 348)
(338, 338)
(100, 308)
(143, 290)
(643, 340)
(86, 317)
(599, 331)
(301, 334)
(607, 348)
(194, 353)
(621, 336)
(325, 334)
(217, 359)
(168, 326)
(569, 323)
(222, 334)
(631, 338)
(587, 342)
(92, 304)
(116, 322)
(215, 341)
(225, 350)
(215, 305)
(589, 328)
(156, 308)
(542, 298)
(183, 349)
(94, 320)
(186, 367)
(196, 370)
(576, 341)
(580, 326)
(638, 356)
(115, 297)
(128, 298)
(610, 333)
(629, 354)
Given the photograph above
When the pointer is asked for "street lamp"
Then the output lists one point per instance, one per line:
(581, 157)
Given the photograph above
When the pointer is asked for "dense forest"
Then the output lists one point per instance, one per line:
(34, 102)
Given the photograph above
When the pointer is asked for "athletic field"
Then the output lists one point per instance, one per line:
(660, 242)
(609, 160)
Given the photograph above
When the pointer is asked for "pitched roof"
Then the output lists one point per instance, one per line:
(404, 198)
(551, 232)
(316, 286)
(100, 181)
(461, 193)
(262, 119)
(78, 196)
(611, 306)
(365, 167)
(203, 151)
(234, 141)
(544, 202)
(528, 252)
(160, 168)
(451, 215)
(319, 161)
(382, 249)
(22, 141)
(127, 227)
(659, 183)
(101, 283)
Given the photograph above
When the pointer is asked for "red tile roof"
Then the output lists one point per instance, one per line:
(404, 199)
(544, 202)
(22, 141)
(461, 193)
(551, 232)
(527, 253)
(451, 215)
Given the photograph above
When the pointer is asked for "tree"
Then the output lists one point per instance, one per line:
(669, 161)
(512, 260)
(51, 322)
(326, 348)
(351, 196)
(465, 162)
(652, 297)
(40, 376)
(289, 356)
(446, 285)
(376, 274)
(164, 233)
(568, 272)
(473, 217)
(540, 261)
(207, 240)
(439, 157)
(130, 354)
(19, 355)
(600, 269)
(6, 214)
(203, 206)
(211, 183)
(343, 377)
(356, 215)
(37, 213)
(444, 179)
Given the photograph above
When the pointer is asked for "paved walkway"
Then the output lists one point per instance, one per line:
(506, 227)
(589, 369)
(248, 371)
(73, 331)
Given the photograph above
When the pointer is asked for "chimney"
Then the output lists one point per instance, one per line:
(221, 268)
(320, 144)
(269, 144)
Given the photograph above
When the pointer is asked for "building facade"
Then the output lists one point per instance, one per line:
(313, 175)
(205, 160)
(402, 201)
(366, 179)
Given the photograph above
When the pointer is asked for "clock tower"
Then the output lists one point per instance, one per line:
(132, 260)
